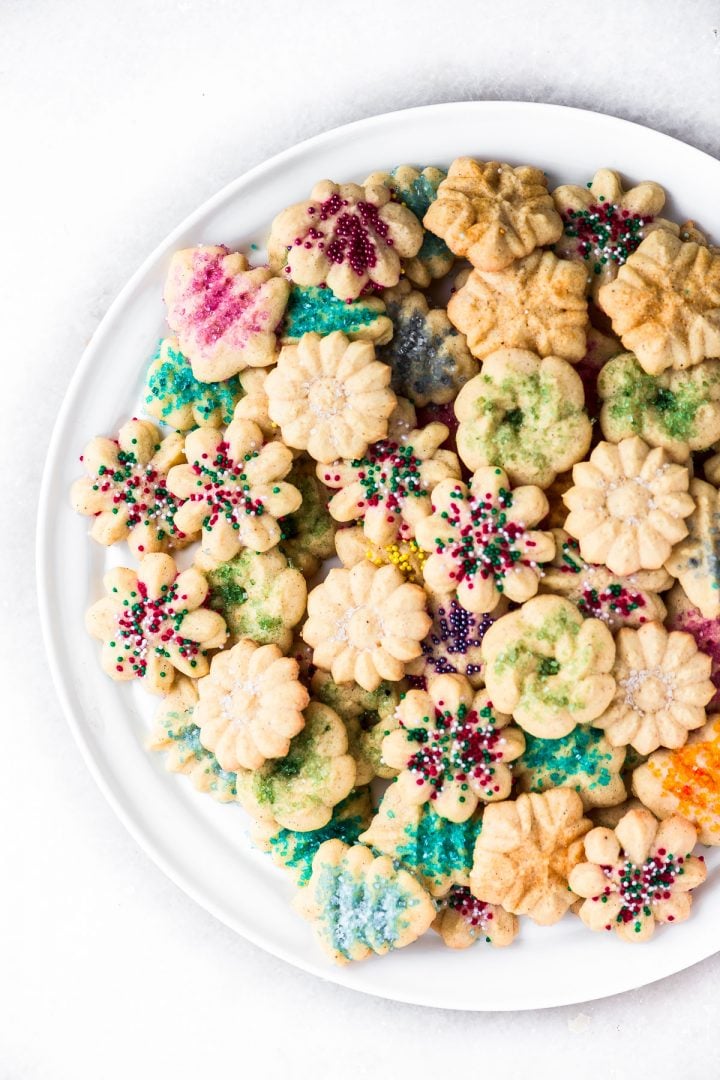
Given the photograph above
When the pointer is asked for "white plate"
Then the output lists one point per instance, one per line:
(202, 846)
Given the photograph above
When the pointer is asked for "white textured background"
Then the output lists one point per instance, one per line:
(117, 117)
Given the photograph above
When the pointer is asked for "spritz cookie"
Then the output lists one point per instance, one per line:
(224, 313)
(250, 705)
(526, 852)
(454, 641)
(663, 685)
(345, 236)
(366, 624)
(360, 904)
(537, 304)
(233, 489)
(686, 781)
(174, 396)
(665, 303)
(491, 213)
(368, 715)
(525, 415)
(176, 735)
(330, 396)
(417, 189)
(352, 546)
(453, 748)
(694, 560)
(308, 533)
(429, 358)
(126, 491)
(481, 540)
(683, 615)
(317, 310)
(259, 595)
(388, 489)
(628, 506)
(637, 875)
(549, 667)
(463, 920)
(603, 223)
(584, 761)
(152, 623)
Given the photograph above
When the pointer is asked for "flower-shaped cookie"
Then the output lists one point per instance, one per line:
(628, 506)
(300, 790)
(600, 594)
(175, 396)
(637, 875)
(678, 410)
(695, 560)
(429, 359)
(126, 489)
(352, 546)
(176, 734)
(452, 748)
(259, 595)
(309, 532)
(481, 541)
(344, 236)
(366, 624)
(388, 489)
(368, 717)
(233, 489)
(584, 760)
(452, 646)
(438, 852)
(151, 623)
(464, 920)
(663, 686)
(491, 214)
(526, 852)
(524, 414)
(549, 667)
(330, 396)
(686, 781)
(683, 615)
(665, 303)
(251, 705)
(537, 304)
(604, 224)
(224, 314)
(314, 310)
(360, 904)
(418, 190)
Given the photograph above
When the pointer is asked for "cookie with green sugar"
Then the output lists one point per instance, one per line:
(584, 760)
(299, 791)
(316, 309)
(677, 410)
(176, 734)
(174, 396)
(368, 715)
(309, 532)
(259, 595)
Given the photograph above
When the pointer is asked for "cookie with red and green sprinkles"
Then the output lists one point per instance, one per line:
(152, 622)
(463, 920)
(126, 489)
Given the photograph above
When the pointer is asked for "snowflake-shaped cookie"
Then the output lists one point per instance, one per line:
(365, 624)
(224, 313)
(525, 414)
(233, 489)
(695, 560)
(452, 748)
(549, 667)
(345, 236)
(481, 540)
(330, 396)
(388, 489)
(251, 705)
(628, 506)
(638, 875)
(491, 214)
(537, 303)
(604, 223)
(126, 490)
(526, 851)
(152, 623)
(663, 686)
(665, 303)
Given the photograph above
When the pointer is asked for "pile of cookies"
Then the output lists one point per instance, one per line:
(494, 409)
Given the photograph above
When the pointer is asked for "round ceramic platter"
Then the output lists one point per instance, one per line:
(204, 846)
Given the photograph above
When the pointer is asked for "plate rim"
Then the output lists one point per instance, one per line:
(332, 975)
